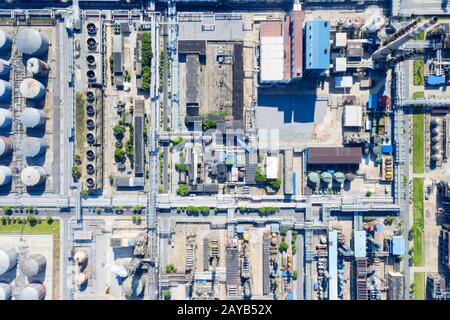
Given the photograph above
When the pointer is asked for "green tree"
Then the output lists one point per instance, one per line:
(31, 219)
(146, 49)
(76, 174)
(7, 209)
(389, 220)
(190, 210)
(49, 219)
(137, 208)
(275, 184)
(260, 178)
(295, 275)
(368, 193)
(283, 231)
(170, 268)
(146, 78)
(182, 167)
(84, 193)
(182, 190)
(208, 124)
(118, 130)
(119, 155)
(177, 140)
(284, 246)
(204, 210)
(167, 295)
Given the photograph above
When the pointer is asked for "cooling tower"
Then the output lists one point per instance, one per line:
(32, 117)
(31, 42)
(33, 176)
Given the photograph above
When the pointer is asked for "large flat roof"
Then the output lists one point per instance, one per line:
(317, 44)
(334, 155)
(192, 46)
(272, 58)
(297, 40)
(359, 243)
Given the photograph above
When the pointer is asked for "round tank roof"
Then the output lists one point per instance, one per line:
(33, 147)
(5, 117)
(350, 176)
(81, 278)
(5, 291)
(33, 265)
(80, 257)
(32, 117)
(5, 89)
(4, 67)
(5, 145)
(32, 89)
(5, 40)
(34, 291)
(30, 41)
(5, 175)
(8, 258)
(339, 177)
(32, 176)
(313, 177)
(326, 177)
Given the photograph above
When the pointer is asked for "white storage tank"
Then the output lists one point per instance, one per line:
(32, 117)
(32, 89)
(5, 291)
(5, 68)
(81, 279)
(5, 175)
(33, 147)
(5, 91)
(34, 291)
(37, 68)
(31, 42)
(5, 118)
(33, 176)
(6, 146)
(34, 265)
(80, 257)
(8, 259)
(5, 41)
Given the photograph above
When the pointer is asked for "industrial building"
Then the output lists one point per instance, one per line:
(334, 157)
(396, 283)
(317, 45)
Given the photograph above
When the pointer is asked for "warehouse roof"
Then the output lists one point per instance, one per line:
(398, 246)
(272, 58)
(317, 44)
(353, 116)
(334, 155)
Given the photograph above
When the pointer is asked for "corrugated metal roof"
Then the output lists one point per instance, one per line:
(317, 45)
(272, 59)
(297, 41)
(334, 155)
(353, 116)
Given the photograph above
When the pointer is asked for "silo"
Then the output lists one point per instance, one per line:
(5, 175)
(33, 176)
(32, 89)
(5, 67)
(436, 139)
(326, 177)
(5, 291)
(436, 157)
(34, 291)
(81, 279)
(34, 265)
(31, 42)
(339, 177)
(80, 257)
(8, 259)
(5, 41)
(435, 131)
(313, 177)
(5, 118)
(350, 177)
(37, 68)
(134, 286)
(6, 146)
(33, 147)
(435, 121)
(32, 117)
(5, 91)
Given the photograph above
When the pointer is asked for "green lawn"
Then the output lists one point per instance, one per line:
(80, 122)
(418, 79)
(42, 227)
(418, 221)
(419, 286)
(418, 151)
(418, 95)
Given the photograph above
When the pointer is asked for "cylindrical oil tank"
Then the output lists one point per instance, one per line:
(5, 291)
(436, 139)
(6, 146)
(5, 91)
(34, 291)
(435, 131)
(81, 279)
(33, 147)
(5, 68)
(8, 259)
(436, 148)
(80, 257)
(436, 157)
(33, 176)
(37, 67)
(326, 177)
(32, 42)
(339, 177)
(5, 175)
(350, 177)
(34, 265)
(32, 89)
(435, 121)
(5, 118)
(32, 117)
(313, 177)
(5, 41)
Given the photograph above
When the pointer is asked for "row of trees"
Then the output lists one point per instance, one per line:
(31, 219)
(146, 59)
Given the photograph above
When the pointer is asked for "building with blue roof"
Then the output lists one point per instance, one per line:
(387, 148)
(398, 246)
(317, 40)
(240, 229)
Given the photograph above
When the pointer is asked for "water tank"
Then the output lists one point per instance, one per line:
(350, 177)
(81, 279)
(32, 89)
(34, 291)
(8, 259)
(435, 131)
(435, 121)
(326, 177)
(5, 67)
(5, 91)
(313, 177)
(339, 177)
(31, 42)
(33, 265)
(80, 257)
(5, 175)
(33, 147)
(436, 157)
(5, 118)
(5, 291)
(6, 146)
(33, 176)
(435, 148)
(37, 68)
(5, 41)
(436, 139)
(32, 117)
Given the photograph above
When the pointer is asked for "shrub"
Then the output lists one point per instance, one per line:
(295, 275)
(260, 178)
(208, 124)
(170, 268)
(49, 219)
(76, 174)
(283, 231)
(389, 220)
(284, 246)
(368, 193)
(146, 49)
(167, 295)
(182, 167)
(7, 209)
(85, 193)
(31, 220)
(275, 184)
(182, 190)
(118, 130)
(119, 155)
(177, 140)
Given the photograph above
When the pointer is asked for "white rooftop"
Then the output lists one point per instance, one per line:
(353, 116)
(272, 59)
(272, 167)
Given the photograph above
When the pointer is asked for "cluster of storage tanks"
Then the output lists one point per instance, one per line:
(34, 265)
(435, 139)
(33, 45)
(325, 177)
(81, 260)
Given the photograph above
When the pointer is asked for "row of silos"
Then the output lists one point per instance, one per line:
(436, 139)
(29, 41)
(326, 177)
(8, 260)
